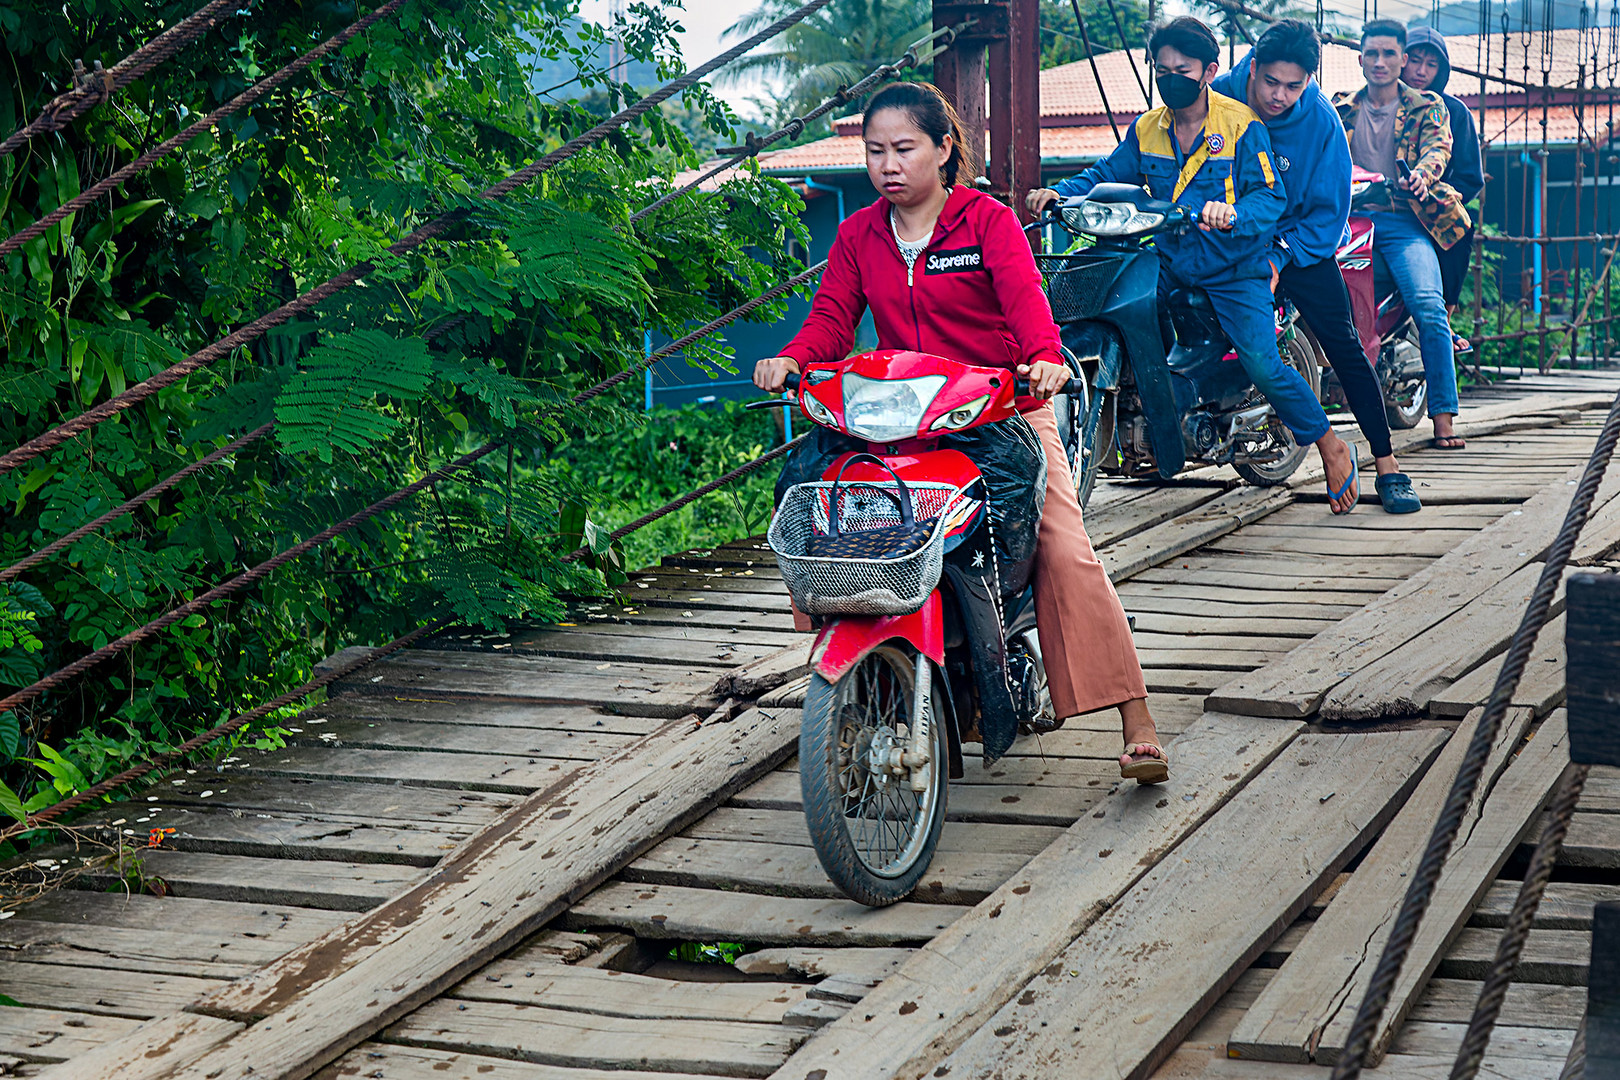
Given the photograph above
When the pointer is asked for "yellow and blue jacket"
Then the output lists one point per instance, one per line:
(1230, 163)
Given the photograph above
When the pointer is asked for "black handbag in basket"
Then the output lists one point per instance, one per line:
(892, 542)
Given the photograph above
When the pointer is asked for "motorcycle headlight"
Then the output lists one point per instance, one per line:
(961, 417)
(887, 410)
(818, 412)
(1109, 219)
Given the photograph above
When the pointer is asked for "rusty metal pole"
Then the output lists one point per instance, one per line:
(959, 70)
(1024, 49)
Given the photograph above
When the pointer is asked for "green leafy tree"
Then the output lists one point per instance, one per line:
(480, 335)
(837, 46)
(1060, 31)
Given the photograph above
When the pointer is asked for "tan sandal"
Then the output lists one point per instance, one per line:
(1148, 764)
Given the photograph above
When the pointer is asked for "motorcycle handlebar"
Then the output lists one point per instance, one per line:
(1073, 388)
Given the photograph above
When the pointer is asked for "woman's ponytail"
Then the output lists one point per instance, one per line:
(927, 108)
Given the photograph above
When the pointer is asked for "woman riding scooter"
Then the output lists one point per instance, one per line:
(946, 270)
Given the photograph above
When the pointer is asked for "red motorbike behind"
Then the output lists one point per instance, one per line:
(925, 635)
(1388, 336)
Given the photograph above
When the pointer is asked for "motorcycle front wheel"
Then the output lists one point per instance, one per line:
(874, 833)
(1276, 469)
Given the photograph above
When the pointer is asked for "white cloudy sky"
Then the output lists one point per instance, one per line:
(705, 21)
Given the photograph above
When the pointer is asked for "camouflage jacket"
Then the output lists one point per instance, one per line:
(1423, 141)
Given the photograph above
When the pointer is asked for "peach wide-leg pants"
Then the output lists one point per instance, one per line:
(1086, 642)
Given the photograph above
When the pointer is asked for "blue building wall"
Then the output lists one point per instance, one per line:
(674, 382)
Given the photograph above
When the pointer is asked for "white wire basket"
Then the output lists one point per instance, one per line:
(827, 586)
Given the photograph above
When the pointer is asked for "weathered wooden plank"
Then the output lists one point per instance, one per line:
(338, 886)
(1306, 1013)
(1566, 905)
(766, 672)
(1528, 1004)
(1401, 682)
(1559, 957)
(550, 680)
(932, 1004)
(1155, 622)
(337, 801)
(1433, 543)
(685, 914)
(1212, 520)
(1007, 804)
(426, 736)
(261, 922)
(1310, 572)
(1255, 601)
(521, 981)
(424, 1063)
(1434, 1040)
(47, 1035)
(512, 774)
(1184, 933)
(1541, 689)
(427, 709)
(222, 831)
(581, 644)
(1593, 842)
(872, 965)
(556, 1037)
(1296, 684)
(328, 995)
(113, 992)
(157, 949)
(954, 877)
(787, 827)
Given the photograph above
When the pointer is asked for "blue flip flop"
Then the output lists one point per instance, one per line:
(1350, 481)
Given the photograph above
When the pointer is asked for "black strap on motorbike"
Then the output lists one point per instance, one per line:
(902, 498)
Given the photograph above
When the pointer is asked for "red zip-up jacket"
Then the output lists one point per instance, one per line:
(973, 296)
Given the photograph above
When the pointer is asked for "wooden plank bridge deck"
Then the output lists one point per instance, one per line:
(474, 859)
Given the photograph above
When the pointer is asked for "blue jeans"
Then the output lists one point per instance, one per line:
(1400, 238)
(1244, 310)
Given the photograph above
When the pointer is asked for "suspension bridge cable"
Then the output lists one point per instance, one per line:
(226, 345)
(1426, 877)
(162, 486)
(917, 53)
(235, 723)
(93, 87)
(692, 496)
(251, 577)
(207, 123)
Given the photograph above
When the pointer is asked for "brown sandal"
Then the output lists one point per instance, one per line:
(1148, 764)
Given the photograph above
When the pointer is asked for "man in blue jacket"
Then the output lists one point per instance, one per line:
(1313, 160)
(1428, 67)
(1209, 154)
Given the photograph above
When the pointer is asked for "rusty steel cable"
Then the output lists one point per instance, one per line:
(1511, 944)
(251, 577)
(93, 87)
(239, 582)
(691, 496)
(917, 53)
(681, 343)
(235, 723)
(162, 486)
(1421, 888)
(128, 506)
(207, 123)
(223, 347)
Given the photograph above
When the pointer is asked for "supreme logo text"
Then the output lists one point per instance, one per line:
(955, 261)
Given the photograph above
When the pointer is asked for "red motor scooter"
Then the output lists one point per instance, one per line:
(925, 633)
(1388, 336)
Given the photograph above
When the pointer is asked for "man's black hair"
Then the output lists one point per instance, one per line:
(1291, 40)
(1187, 36)
(1385, 28)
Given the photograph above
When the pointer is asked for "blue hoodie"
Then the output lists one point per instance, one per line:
(1313, 160)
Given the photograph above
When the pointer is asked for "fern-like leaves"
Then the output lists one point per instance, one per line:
(332, 404)
(566, 254)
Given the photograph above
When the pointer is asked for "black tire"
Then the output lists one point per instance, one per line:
(1298, 354)
(1404, 417)
(837, 717)
(1073, 416)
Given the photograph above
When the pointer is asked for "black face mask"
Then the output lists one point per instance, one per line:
(1178, 91)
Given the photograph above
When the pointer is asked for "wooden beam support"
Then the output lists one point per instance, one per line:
(510, 879)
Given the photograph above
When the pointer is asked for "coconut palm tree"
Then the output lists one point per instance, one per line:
(835, 47)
